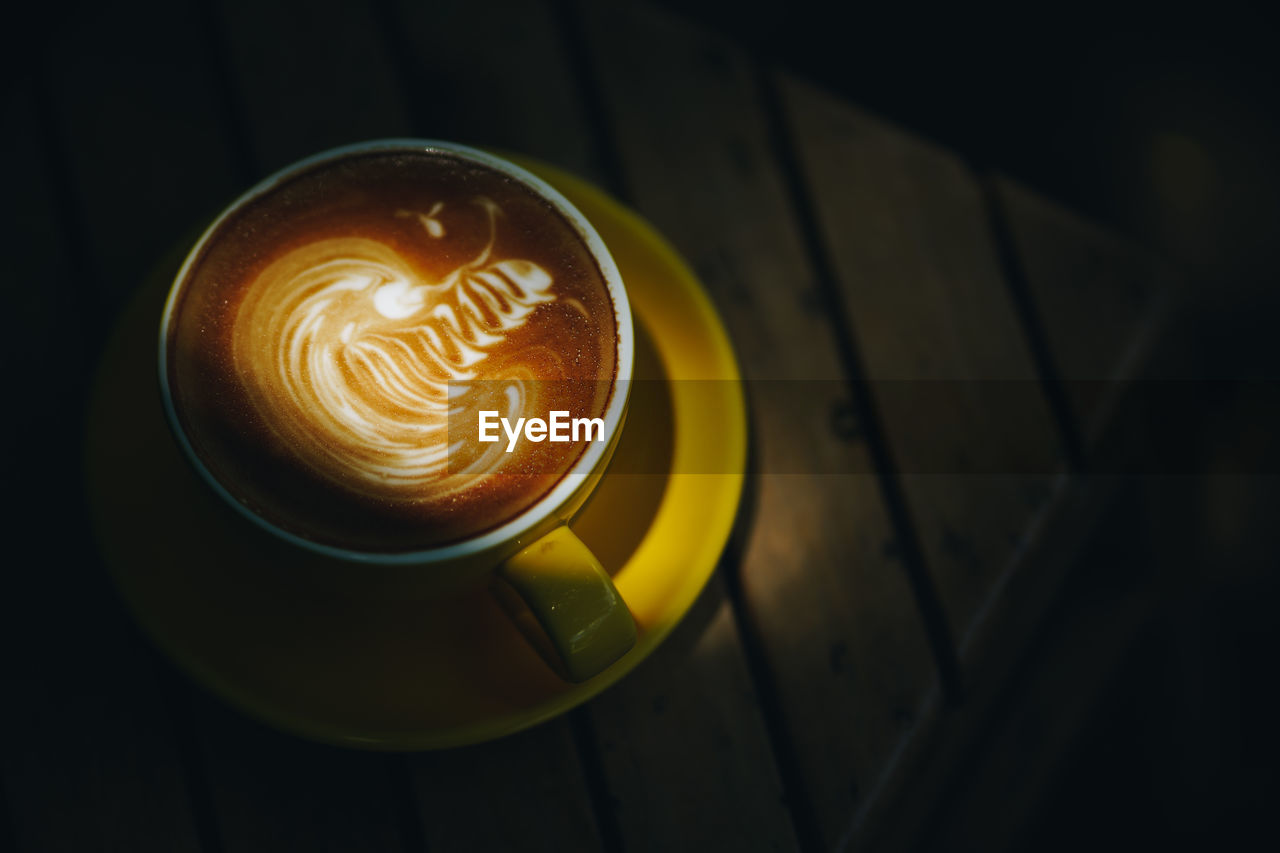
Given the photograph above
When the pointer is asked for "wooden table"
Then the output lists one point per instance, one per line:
(865, 632)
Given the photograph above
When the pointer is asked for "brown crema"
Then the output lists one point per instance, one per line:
(332, 344)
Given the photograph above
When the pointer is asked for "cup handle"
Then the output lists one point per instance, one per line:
(572, 613)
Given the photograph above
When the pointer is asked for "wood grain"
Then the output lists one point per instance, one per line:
(1031, 734)
(1100, 303)
(966, 421)
(939, 768)
(940, 757)
(524, 792)
(1098, 297)
(685, 755)
(820, 577)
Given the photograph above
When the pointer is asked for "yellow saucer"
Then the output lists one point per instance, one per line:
(231, 605)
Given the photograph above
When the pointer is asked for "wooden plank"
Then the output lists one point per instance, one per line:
(688, 768)
(950, 371)
(91, 759)
(936, 770)
(822, 584)
(1114, 296)
(1015, 613)
(1032, 741)
(1099, 299)
(525, 792)
(937, 757)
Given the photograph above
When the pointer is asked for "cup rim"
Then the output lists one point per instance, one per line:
(569, 483)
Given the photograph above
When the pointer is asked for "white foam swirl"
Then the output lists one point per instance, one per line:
(347, 355)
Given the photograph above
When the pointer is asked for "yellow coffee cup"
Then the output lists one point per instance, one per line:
(546, 578)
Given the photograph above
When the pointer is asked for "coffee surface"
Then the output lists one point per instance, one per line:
(333, 329)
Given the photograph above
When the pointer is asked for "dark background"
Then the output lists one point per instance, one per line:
(1163, 125)
(1157, 120)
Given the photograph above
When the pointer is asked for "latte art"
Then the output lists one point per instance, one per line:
(328, 332)
(348, 353)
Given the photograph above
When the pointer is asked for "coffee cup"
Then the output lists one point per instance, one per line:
(346, 348)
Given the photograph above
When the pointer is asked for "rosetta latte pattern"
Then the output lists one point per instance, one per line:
(348, 355)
